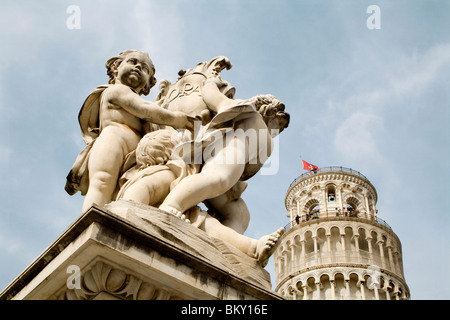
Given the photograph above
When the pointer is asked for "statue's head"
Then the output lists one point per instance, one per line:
(156, 147)
(134, 68)
(273, 112)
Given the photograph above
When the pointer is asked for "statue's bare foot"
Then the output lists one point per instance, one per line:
(266, 245)
(174, 212)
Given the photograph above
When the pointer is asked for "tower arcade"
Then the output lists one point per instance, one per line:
(335, 245)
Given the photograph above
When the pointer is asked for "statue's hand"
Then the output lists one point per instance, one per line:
(204, 117)
(218, 81)
(183, 121)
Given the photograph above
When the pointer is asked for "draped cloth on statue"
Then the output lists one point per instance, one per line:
(89, 121)
(216, 132)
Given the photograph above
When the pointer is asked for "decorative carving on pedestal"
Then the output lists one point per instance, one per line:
(103, 279)
(133, 251)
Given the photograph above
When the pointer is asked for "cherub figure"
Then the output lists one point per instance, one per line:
(112, 120)
(259, 249)
(234, 158)
(149, 183)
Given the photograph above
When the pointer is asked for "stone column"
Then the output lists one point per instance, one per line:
(318, 286)
(362, 289)
(282, 271)
(358, 254)
(344, 251)
(369, 244)
(293, 292)
(386, 290)
(333, 289)
(347, 288)
(366, 199)
(375, 291)
(293, 259)
(325, 201)
(285, 261)
(316, 250)
(278, 265)
(398, 267)
(330, 252)
(391, 259)
(302, 254)
(305, 292)
(291, 214)
(383, 260)
(298, 293)
(340, 199)
(374, 213)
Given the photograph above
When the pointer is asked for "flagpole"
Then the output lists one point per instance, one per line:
(301, 166)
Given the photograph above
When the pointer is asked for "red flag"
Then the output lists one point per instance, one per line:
(309, 166)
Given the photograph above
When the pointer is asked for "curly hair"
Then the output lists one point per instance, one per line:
(113, 63)
(156, 147)
(270, 107)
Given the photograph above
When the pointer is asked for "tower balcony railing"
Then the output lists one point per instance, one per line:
(316, 217)
(328, 169)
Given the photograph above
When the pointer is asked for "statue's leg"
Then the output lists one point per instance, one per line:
(219, 173)
(211, 182)
(233, 212)
(105, 161)
(260, 249)
(150, 189)
(215, 229)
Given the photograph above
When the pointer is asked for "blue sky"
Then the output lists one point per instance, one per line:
(376, 101)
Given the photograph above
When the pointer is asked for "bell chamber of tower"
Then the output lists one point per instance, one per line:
(335, 245)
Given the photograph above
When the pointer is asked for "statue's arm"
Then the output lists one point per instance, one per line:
(213, 97)
(124, 97)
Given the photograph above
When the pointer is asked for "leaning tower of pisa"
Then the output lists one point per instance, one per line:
(335, 246)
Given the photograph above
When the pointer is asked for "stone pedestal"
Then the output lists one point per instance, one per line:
(130, 251)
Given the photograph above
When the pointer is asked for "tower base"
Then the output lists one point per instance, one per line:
(130, 251)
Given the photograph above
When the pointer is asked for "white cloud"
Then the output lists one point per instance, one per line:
(365, 112)
(416, 72)
(356, 136)
(402, 76)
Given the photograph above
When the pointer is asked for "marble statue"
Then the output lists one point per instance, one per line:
(149, 183)
(111, 121)
(150, 153)
(232, 157)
